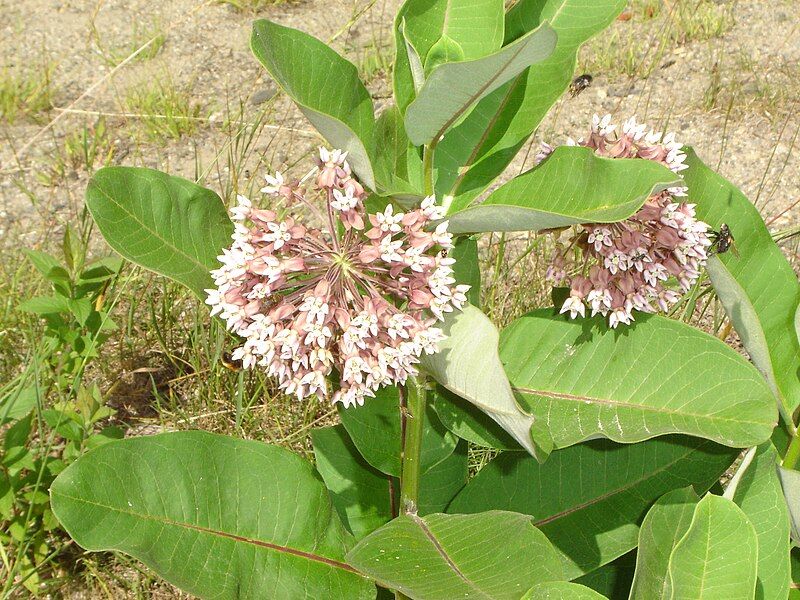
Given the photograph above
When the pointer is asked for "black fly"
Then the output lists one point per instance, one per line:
(579, 84)
(723, 240)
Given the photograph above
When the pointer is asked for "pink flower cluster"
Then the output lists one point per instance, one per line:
(617, 268)
(360, 297)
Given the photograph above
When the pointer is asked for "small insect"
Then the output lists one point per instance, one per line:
(230, 363)
(579, 84)
(723, 240)
(443, 252)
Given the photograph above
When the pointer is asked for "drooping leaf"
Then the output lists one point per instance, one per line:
(665, 524)
(375, 430)
(614, 579)
(658, 376)
(574, 185)
(756, 489)
(325, 86)
(790, 484)
(489, 138)
(362, 495)
(163, 223)
(561, 590)
(468, 365)
(452, 88)
(589, 499)
(494, 555)
(718, 555)
(216, 516)
(759, 288)
(476, 26)
(468, 422)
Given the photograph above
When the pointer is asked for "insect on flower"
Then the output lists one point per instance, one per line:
(359, 296)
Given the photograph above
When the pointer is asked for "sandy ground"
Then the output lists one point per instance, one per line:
(206, 51)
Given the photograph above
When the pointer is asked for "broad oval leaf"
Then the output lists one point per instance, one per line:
(561, 590)
(665, 524)
(325, 86)
(756, 489)
(468, 365)
(166, 224)
(718, 555)
(227, 508)
(452, 88)
(759, 289)
(477, 150)
(658, 376)
(573, 185)
(475, 25)
(589, 499)
(376, 431)
(495, 555)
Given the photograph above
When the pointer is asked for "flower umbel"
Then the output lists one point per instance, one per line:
(635, 264)
(361, 299)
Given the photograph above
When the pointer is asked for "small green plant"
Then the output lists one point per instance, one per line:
(25, 93)
(250, 5)
(54, 419)
(82, 150)
(163, 110)
(142, 34)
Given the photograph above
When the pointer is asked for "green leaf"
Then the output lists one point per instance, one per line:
(397, 163)
(573, 185)
(476, 26)
(325, 86)
(759, 289)
(375, 430)
(453, 88)
(489, 138)
(163, 223)
(468, 365)
(589, 499)
(658, 376)
(18, 403)
(468, 422)
(45, 305)
(216, 516)
(362, 495)
(440, 484)
(445, 50)
(614, 579)
(561, 590)
(790, 484)
(16, 435)
(493, 555)
(467, 268)
(665, 524)
(756, 489)
(718, 556)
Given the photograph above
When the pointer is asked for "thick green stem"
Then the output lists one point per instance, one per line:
(414, 419)
(412, 415)
(427, 167)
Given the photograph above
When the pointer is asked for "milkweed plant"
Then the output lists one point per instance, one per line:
(608, 423)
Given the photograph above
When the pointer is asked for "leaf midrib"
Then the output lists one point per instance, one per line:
(148, 229)
(223, 534)
(446, 557)
(618, 490)
(619, 403)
